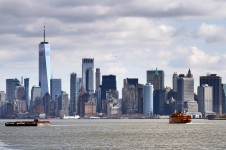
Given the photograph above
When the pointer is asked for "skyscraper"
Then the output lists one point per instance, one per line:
(156, 78)
(44, 66)
(36, 99)
(132, 96)
(73, 93)
(89, 80)
(10, 88)
(175, 76)
(185, 93)
(26, 86)
(216, 82)
(55, 88)
(205, 99)
(148, 99)
(86, 64)
(97, 78)
(108, 82)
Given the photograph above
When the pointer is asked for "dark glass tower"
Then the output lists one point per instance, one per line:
(26, 86)
(55, 88)
(216, 82)
(156, 78)
(108, 82)
(73, 93)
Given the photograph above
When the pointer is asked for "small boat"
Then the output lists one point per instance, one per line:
(71, 117)
(36, 122)
(179, 118)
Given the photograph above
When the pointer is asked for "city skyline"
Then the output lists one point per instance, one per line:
(172, 36)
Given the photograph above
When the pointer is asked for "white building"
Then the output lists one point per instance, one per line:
(205, 99)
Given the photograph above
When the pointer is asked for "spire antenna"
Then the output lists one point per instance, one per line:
(44, 33)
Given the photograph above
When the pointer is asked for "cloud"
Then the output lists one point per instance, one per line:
(211, 33)
(125, 38)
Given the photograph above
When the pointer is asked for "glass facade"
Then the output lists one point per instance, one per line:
(44, 67)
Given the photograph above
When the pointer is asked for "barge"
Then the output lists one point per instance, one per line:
(36, 122)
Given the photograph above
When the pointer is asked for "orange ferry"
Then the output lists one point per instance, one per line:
(179, 118)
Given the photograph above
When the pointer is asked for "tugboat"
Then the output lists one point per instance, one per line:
(179, 118)
(36, 122)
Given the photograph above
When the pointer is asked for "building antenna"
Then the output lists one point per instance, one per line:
(44, 33)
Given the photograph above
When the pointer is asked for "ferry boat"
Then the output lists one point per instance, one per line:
(179, 118)
(36, 122)
(71, 117)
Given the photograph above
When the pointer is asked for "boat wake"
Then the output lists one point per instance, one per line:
(4, 146)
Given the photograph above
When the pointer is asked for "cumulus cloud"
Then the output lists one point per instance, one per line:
(211, 33)
(125, 38)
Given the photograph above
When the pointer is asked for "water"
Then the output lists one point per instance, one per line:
(116, 134)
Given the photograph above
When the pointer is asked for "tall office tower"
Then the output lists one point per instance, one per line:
(20, 98)
(224, 99)
(175, 76)
(216, 82)
(86, 63)
(36, 98)
(26, 86)
(148, 99)
(78, 86)
(63, 104)
(205, 99)
(44, 66)
(2, 103)
(73, 93)
(20, 93)
(185, 93)
(97, 78)
(89, 80)
(55, 88)
(129, 96)
(156, 78)
(10, 88)
(108, 83)
(47, 104)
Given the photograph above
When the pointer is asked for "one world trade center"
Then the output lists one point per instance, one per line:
(44, 66)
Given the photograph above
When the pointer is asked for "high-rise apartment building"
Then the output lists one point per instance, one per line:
(73, 93)
(97, 78)
(156, 78)
(205, 99)
(44, 66)
(26, 86)
(216, 82)
(86, 64)
(148, 99)
(10, 88)
(55, 88)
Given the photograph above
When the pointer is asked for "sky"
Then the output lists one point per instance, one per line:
(125, 38)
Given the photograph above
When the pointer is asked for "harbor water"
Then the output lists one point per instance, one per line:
(115, 134)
